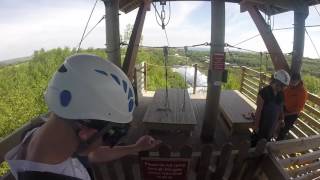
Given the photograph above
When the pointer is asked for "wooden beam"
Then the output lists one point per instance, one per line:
(216, 68)
(132, 51)
(278, 59)
(295, 145)
(112, 31)
(305, 158)
(300, 14)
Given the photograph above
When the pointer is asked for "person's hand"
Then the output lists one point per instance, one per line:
(146, 142)
(282, 124)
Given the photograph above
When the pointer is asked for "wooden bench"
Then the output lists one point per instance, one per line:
(234, 126)
(178, 115)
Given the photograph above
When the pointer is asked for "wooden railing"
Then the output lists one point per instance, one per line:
(296, 159)
(308, 123)
(229, 163)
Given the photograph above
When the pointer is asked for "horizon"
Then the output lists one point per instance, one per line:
(27, 31)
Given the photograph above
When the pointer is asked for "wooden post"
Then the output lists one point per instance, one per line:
(278, 59)
(242, 78)
(145, 73)
(300, 15)
(112, 31)
(215, 71)
(195, 78)
(132, 50)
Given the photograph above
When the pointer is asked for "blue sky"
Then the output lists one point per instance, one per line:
(30, 25)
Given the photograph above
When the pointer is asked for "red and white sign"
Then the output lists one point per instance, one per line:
(164, 169)
(218, 61)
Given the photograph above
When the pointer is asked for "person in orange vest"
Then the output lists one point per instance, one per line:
(295, 97)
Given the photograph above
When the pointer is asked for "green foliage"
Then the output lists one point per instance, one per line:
(22, 87)
(312, 84)
(233, 79)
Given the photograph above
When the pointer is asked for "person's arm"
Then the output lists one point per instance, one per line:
(106, 153)
(258, 112)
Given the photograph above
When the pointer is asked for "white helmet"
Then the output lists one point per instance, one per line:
(282, 76)
(88, 87)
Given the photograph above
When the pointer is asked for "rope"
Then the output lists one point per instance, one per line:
(85, 29)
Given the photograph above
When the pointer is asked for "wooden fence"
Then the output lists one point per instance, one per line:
(229, 163)
(308, 124)
(296, 159)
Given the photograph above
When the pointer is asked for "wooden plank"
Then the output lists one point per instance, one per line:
(310, 119)
(127, 167)
(164, 151)
(310, 128)
(234, 116)
(312, 110)
(222, 162)
(112, 170)
(13, 139)
(304, 158)
(295, 145)
(314, 98)
(253, 100)
(239, 162)
(304, 169)
(272, 169)
(180, 115)
(204, 162)
(132, 50)
(252, 89)
(304, 128)
(250, 94)
(251, 70)
(312, 175)
(252, 77)
(252, 83)
(255, 161)
(186, 151)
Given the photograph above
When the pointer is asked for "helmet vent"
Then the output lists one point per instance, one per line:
(62, 69)
(131, 104)
(115, 78)
(65, 98)
(101, 72)
(125, 86)
(130, 94)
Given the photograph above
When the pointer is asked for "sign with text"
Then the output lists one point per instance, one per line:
(218, 61)
(164, 168)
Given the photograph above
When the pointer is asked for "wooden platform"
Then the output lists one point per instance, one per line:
(233, 105)
(174, 113)
(177, 140)
(233, 127)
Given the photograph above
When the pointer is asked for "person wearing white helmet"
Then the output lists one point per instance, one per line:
(91, 102)
(270, 103)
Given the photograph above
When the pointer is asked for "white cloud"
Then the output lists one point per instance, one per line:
(51, 24)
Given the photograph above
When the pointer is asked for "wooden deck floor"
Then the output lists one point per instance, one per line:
(175, 140)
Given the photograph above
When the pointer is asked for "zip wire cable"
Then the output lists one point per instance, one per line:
(276, 29)
(94, 27)
(85, 29)
(316, 10)
(314, 46)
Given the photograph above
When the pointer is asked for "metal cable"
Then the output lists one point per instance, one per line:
(314, 46)
(94, 27)
(316, 10)
(85, 29)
